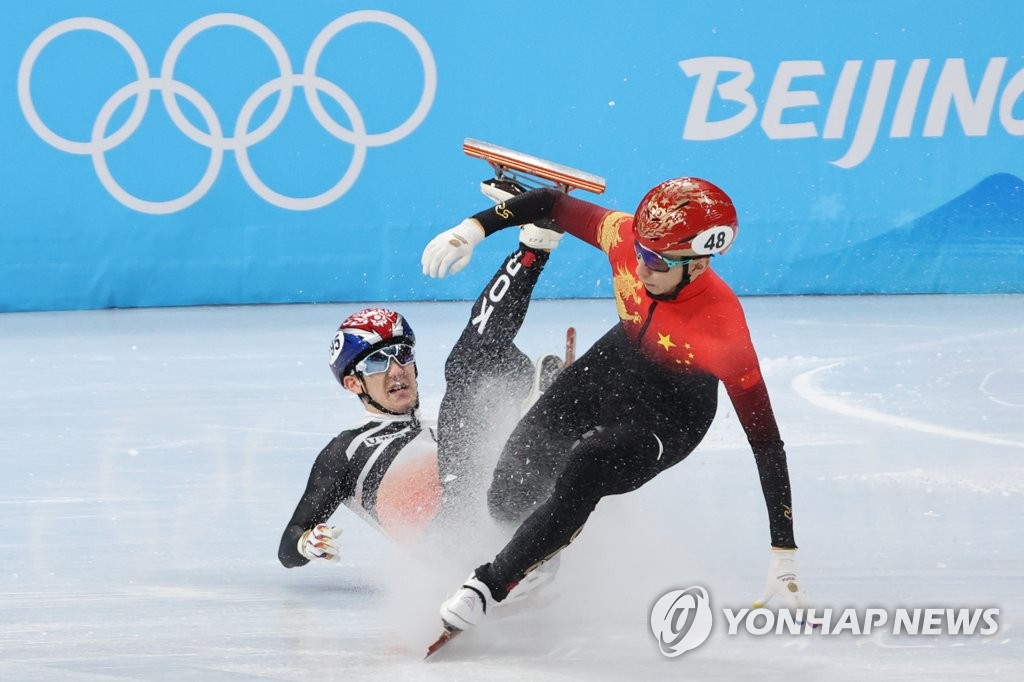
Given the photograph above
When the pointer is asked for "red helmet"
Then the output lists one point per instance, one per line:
(686, 213)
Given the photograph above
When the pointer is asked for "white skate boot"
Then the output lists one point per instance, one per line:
(541, 236)
(544, 373)
(468, 606)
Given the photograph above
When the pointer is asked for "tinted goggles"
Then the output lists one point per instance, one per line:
(655, 261)
(379, 360)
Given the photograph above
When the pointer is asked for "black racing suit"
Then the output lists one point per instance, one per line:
(487, 379)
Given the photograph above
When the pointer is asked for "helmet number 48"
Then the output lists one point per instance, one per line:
(713, 240)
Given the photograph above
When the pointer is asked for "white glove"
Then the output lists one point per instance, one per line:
(451, 250)
(320, 542)
(782, 581)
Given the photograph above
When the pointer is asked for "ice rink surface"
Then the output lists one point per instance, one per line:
(151, 459)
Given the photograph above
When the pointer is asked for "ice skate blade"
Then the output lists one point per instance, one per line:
(450, 633)
(504, 159)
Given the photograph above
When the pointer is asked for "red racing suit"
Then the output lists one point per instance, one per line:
(702, 331)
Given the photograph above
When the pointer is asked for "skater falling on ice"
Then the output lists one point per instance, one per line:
(399, 471)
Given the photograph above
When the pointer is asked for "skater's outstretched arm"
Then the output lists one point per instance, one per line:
(451, 250)
(325, 491)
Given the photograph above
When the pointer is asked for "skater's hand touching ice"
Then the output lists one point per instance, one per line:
(782, 581)
(320, 542)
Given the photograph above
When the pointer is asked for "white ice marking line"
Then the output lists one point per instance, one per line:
(988, 394)
(805, 387)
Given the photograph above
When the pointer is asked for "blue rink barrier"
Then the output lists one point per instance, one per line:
(252, 152)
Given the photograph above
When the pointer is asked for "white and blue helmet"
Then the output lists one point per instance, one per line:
(364, 332)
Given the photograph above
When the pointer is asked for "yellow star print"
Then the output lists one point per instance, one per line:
(666, 341)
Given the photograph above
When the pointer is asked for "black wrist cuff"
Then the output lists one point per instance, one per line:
(528, 207)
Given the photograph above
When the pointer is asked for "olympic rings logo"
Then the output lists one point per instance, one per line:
(102, 141)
